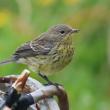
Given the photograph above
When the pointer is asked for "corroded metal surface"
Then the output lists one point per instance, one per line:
(31, 85)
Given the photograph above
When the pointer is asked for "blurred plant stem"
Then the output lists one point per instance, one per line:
(23, 21)
(25, 9)
(108, 42)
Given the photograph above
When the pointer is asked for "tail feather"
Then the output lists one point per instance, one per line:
(7, 61)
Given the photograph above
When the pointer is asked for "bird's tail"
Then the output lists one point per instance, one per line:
(7, 61)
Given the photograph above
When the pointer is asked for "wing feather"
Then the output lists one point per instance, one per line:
(40, 46)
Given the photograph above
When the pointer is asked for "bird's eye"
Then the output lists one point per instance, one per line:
(62, 32)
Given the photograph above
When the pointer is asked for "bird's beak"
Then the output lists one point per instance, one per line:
(75, 30)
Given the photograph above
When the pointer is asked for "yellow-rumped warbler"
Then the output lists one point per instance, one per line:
(48, 53)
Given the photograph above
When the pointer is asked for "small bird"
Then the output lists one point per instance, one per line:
(48, 53)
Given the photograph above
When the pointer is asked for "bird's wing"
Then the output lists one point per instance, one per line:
(40, 46)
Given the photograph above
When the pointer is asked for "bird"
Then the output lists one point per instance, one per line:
(48, 53)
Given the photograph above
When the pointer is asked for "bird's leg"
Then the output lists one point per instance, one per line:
(48, 81)
(46, 78)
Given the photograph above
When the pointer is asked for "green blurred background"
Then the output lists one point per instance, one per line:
(87, 78)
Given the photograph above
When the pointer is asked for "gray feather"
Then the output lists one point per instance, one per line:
(39, 46)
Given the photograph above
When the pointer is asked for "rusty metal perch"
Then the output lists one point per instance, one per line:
(40, 97)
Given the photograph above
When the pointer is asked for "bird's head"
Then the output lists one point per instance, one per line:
(62, 30)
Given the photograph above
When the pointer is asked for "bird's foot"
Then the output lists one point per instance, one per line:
(54, 84)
